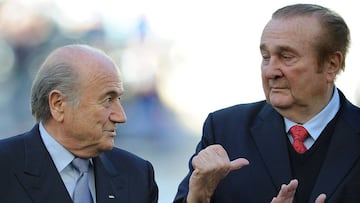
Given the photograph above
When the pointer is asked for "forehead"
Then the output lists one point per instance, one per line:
(300, 32)
(100, 75)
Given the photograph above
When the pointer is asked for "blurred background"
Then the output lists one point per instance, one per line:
(180, 60)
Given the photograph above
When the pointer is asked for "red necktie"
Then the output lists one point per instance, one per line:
(299, 134)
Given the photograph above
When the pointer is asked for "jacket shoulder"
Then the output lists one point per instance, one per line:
(117, 155)
(246, 110)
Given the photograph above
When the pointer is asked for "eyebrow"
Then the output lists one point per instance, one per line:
(278, 49)
(285, 48)
(262, 46)
(114, 93)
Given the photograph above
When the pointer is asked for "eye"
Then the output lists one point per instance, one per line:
(108, 99)
(265, 56)
(286, 56)
(119, 99)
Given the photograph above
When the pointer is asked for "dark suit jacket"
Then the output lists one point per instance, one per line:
(28, 174)
(256, 131)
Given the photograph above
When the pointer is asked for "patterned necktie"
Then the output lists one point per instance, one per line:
(82, 192)
(299, 134)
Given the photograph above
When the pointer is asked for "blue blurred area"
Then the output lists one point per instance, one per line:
(152, 130)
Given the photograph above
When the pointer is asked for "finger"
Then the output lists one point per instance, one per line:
(292, 185)
(274, 200)
(321, 198)
(238, 163)
(287, 191)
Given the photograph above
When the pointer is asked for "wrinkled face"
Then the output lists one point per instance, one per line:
(92, 123)
(291, 74)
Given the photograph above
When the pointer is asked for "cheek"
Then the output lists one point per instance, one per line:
(303, 81)
(98, 121)
(101, 116)
(265, 86)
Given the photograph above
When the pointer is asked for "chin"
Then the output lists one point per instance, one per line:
(106, 146)
(109, 146)
(279, 103)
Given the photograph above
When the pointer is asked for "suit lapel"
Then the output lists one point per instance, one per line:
(269, 136)
(342, 154)
(110, 183)
(39, 176)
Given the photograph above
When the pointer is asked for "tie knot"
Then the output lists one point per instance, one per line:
(82, 165)
(299, 133)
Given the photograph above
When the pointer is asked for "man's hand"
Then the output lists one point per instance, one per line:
(211, 165)
(287, 193)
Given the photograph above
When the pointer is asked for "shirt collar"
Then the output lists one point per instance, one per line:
(317, 124)
(60, 156)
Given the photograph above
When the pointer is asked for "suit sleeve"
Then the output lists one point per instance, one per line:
(206, 140)
(154, 190)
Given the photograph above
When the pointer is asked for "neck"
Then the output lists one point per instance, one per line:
(303, 113)
(69, 142)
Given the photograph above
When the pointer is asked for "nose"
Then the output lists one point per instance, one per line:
(118, 114)
(271, 69)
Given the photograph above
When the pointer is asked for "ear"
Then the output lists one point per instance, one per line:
(334, 65)
(56, 104)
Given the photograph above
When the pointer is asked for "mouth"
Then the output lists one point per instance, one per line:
(111, 132)
(277, 89)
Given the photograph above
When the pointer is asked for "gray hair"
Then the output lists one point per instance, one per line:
(60, 77)
(336, 36)
(56, 73)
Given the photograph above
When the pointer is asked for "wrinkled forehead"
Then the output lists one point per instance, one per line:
(291, 30)
(296, 23)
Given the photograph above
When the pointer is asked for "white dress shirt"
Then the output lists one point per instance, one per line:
(318, 123)
(62, 159)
